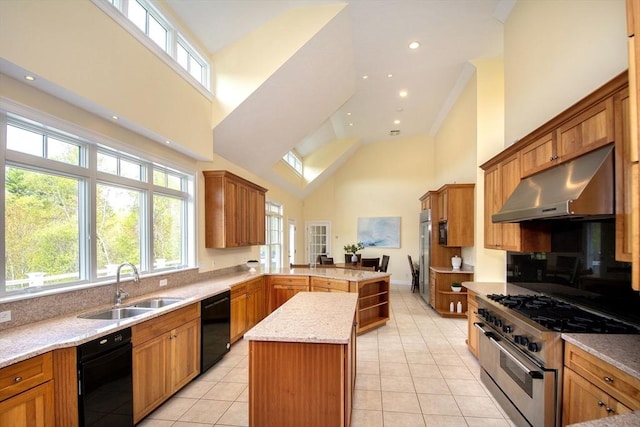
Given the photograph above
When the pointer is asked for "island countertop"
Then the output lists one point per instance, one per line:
(311, 317)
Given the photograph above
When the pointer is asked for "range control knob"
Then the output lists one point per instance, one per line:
(498, 322)
(507, 329)
(533, 347)
(521, 339)
(482, 312)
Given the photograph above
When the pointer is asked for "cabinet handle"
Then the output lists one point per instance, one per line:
(609, 410)
(608, 379)
(600, 403)
(17, 379)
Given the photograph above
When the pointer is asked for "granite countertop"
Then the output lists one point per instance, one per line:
(310, 317)
(23, 342)
(618, 350)
(631, 420)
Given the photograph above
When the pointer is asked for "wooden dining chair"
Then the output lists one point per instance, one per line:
(415, 276)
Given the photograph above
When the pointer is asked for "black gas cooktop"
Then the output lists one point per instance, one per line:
(561, 316)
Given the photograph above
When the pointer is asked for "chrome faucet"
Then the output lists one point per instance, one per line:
(120, 294)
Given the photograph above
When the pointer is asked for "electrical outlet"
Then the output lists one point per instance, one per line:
(163, 282)
(5, 316)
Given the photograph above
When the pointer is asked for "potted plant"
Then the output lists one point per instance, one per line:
(353, 250)
(456, 286)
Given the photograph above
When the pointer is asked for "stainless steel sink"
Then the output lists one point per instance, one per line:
(117, 313)
(157, 302)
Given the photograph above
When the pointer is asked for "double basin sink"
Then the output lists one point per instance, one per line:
(142, 307)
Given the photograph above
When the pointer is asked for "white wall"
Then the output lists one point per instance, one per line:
(557, 52)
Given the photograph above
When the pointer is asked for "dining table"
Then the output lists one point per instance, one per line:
(352, 266)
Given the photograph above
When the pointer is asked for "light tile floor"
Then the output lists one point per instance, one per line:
(415, 371)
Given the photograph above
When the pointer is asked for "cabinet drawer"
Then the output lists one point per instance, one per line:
(334, 284)
(254, 285)
(22, 376)
(620, 385)
(163, 324)
(289, 280)
(237, 290)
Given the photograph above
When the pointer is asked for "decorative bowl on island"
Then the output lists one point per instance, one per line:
(253, 264)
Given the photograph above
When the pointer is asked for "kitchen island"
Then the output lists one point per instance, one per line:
(302, 362)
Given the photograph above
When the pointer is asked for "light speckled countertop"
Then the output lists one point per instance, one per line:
(22, 342)
(626, 420)
(311, 317)
(621, 351)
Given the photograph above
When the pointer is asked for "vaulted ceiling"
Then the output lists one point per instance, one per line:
(291, 74)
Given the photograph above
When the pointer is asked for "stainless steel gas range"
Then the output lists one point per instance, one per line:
(521, 351)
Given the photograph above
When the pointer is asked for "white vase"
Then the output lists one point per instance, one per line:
(456, 262)
(354, 258)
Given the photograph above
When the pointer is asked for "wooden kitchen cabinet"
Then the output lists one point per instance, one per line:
(633, 30)
(234, 211)
(472, 317)
(248, 306)
(425, 201)
(444, 296)
(499, 182)
(456, 208)
(539, 155)
(373, 303)
(595, 389)
(322, 284)
(26, 393)
(166, 357)
(624, 240)
(282, 288)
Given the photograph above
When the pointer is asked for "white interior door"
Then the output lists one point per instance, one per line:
(318, 239)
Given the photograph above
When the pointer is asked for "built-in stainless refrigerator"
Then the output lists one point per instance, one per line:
(425, 253)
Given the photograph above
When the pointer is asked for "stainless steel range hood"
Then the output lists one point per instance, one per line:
(580, 188)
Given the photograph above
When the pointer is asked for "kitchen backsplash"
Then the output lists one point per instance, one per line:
(36, 308)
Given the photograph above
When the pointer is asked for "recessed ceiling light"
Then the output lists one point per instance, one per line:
(414, 45)
(167, 142)
(396, 122)
(115, 117)
(365, 77)
(389, 75)
(30, 78)
(349, 113)
(403, 93)
(350, 124)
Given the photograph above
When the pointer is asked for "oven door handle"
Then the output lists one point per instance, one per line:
(484, 331)
(533, 373)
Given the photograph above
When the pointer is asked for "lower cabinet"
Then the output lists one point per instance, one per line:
(443, 296)
(26, 393)
(248, 306)
(594, 389)
(472, 317)
(282, 288)
(166, 357)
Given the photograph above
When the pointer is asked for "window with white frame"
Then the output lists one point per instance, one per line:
(73, 209)
(271, 253)
(293, 160)
(162, 32)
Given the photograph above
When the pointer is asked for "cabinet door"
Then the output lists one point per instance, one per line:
(238, 316)
(443, 207)
(472, 331)
(509, 180)
(151, 382)
(492, 204)
(538, 155)
(583, 401)
(185, 354)
(232, 217)
(32, 408)
(623, 177)
(255, 307)
(587, 131)
(282, 293)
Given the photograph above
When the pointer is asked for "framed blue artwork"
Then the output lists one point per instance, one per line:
(380, 232)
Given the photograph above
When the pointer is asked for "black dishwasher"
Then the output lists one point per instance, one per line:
(105, 384)
(215, 323)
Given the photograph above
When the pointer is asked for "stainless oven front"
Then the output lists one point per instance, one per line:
(524, 389)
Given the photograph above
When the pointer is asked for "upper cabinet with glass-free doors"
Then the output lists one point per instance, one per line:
(234, 211)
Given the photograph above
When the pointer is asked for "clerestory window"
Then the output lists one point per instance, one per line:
(293, 160)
